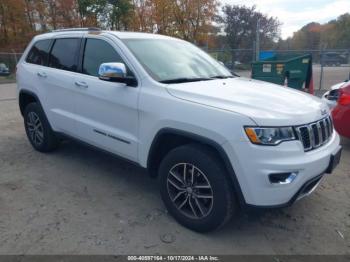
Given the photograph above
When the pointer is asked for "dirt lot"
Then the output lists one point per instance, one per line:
(80, 201)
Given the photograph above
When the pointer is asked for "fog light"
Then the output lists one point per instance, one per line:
(282, 178)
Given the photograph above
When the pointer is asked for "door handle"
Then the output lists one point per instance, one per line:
(81, 84)
(42, 74)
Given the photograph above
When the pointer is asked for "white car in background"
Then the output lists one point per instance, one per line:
(331, 96)
(4, 70)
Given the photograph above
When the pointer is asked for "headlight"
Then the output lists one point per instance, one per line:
(269, 135)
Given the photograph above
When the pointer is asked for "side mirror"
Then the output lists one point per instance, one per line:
(113, 72)
(116, 72)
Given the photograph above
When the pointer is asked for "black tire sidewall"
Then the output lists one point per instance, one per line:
(215, 173)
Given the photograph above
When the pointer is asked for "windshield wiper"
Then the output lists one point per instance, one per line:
(184, 80)
(221, 77)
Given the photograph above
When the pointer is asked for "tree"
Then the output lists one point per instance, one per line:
(14, 23)
(188, 19)
(89, 11)
(193, 19)
(142, 16)
(162, 17)
(332, 35)
(336, 33)
(118, 14)
(29, 11)
(308, 37)
(240, 24)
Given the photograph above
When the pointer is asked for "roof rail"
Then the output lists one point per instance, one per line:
(77, 29)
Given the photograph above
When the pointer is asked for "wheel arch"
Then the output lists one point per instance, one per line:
(179, 137)
(26, 97)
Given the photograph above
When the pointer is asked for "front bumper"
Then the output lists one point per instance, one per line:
(253, 164)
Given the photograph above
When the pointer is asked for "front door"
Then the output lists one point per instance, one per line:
(107, 111)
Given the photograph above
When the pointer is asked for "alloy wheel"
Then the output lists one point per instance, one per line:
(190, 191)
(35, 128)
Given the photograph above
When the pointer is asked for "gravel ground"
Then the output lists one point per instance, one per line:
(80, 201)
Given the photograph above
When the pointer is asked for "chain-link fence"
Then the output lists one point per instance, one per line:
(329, 66)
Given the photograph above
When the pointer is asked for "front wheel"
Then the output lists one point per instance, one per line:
(195, 188)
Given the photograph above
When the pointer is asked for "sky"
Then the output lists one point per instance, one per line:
(294, 14)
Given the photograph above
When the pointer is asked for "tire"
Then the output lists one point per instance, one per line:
(210, 179)
(41, 137)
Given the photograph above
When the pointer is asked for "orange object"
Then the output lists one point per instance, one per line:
(251, 134)
(311, 86)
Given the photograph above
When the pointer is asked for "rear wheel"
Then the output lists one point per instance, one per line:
(38, 129)
(195, 188)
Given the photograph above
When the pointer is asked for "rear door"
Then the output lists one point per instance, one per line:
(59, 86)
(32, 72)
(108, 115)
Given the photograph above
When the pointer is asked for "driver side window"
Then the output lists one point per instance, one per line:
(97, 52)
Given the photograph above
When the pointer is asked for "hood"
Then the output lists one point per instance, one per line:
(265, 103)
(339, 85)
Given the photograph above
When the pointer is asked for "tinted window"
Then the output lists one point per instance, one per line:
(64, 54)
(39, 53)
(96, 53)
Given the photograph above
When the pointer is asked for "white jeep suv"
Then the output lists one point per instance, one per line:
(215, 141)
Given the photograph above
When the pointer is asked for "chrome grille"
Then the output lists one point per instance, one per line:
(315, 134)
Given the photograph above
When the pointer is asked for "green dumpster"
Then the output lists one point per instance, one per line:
(281, 69)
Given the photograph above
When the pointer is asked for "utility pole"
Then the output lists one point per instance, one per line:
(321, 73)
(15, 55)
(257, 40)
(323, 47)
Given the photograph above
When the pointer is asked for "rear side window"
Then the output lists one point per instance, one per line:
(39, 53)
(64, 54)
(98, 52)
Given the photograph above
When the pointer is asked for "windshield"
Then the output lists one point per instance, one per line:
(171, 61)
